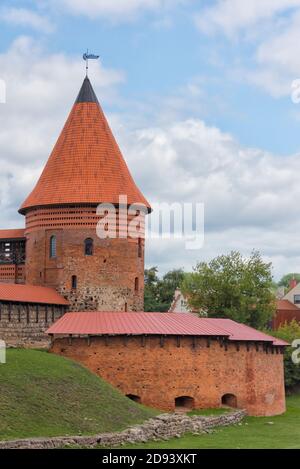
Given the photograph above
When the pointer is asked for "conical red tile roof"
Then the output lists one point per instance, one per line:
(86, 165)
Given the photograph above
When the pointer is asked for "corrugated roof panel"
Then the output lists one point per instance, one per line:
(243, 332)
(30, 294)
(116, 323)
(130, 323)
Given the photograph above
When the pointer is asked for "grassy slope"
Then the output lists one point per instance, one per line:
(46, 395)
(253, 433)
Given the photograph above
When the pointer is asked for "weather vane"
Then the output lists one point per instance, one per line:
(88, 57)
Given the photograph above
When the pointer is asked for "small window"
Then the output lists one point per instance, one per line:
(297, 299)
(74, 282)
(88, 247)
(136, 284)
(53, 247)
(140, 248)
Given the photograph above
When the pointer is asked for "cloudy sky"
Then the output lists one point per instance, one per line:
(198, 94)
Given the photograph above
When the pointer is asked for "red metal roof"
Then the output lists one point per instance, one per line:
(125, 323)
(286, 305)
(30, 294)
(242, 332)
(12, 234)
(86, 165)
(116, 323)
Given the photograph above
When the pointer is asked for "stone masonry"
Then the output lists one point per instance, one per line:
(163, 427)
(25, 324)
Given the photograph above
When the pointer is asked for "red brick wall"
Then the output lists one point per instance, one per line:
(105, 281)
(158, 373)
(283, 316)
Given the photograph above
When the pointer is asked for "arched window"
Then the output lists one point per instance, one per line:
(88, 247)
(74, 282)
(184, 402)
(229, 400)
(52, 252)
(136, 284)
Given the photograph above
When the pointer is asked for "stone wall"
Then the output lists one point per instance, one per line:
(162, 427)
(157, 370)
(25, 324)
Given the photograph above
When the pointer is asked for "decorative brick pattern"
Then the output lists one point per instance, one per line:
(105, 280)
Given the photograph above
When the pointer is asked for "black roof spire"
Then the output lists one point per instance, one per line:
(86, 93)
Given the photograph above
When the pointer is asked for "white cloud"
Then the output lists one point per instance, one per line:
(191, 161)
(41, 89)
(118, 9)
(271, 27)
(25, 17)
(231, 16)
(250, 195)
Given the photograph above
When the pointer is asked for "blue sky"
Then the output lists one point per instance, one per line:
(163, 50)
(211, 79)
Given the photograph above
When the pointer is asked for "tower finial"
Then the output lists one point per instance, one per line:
(88, 57)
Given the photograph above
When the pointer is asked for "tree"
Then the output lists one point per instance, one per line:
(233, 287)
(159, 293)
(285, 281)
(289, 333)
(151, 299)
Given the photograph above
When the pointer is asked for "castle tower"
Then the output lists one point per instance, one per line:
(63, 251)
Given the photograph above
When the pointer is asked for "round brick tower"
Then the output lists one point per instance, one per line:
(63, 250)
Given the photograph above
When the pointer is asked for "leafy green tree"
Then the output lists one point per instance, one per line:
(233, 287)
(159, 293)
(151, 298)
(285, 281)
(289, 333)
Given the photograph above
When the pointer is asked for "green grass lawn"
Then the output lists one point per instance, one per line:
(207, 412)
(281, 432)
(46, 395)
